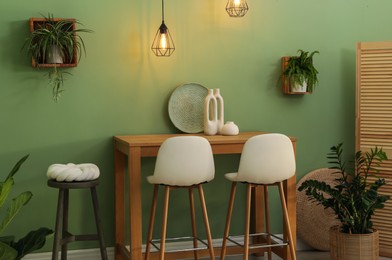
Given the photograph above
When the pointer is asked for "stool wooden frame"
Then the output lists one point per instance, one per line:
(257, 241)
(163, 238)
(62, 236)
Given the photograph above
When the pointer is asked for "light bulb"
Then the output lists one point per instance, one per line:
(163, 41)
(237, 2)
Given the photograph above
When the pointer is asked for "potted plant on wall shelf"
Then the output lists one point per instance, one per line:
(354, 199)
(55, 43)
(298, 73)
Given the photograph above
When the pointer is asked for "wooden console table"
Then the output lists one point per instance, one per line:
(133, 148)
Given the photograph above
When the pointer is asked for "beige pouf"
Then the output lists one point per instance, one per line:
(313, 221)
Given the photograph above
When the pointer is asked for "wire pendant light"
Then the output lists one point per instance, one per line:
(163, 45)
(236, 8)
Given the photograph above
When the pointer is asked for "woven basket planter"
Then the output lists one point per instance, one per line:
(345, 246)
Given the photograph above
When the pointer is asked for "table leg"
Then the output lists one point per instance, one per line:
(135, 203)
(119, 213)
(290, 195)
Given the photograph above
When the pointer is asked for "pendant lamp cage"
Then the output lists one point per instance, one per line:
(237, 8)
(163, 45)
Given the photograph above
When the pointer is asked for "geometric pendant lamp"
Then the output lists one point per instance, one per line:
(163, 45)
(236, 8)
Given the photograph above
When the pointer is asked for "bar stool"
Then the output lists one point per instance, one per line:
(266, 160)
(62, 236)
(182, 162)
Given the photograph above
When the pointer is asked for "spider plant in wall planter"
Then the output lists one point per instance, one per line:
(34, 240)
(299, 72)
(354, 198)
(55, 43)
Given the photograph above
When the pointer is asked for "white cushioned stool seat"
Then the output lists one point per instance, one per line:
(73, 172)
(183, 161)
(265, 159)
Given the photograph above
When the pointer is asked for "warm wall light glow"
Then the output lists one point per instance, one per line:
(163, 44)
(236, 8)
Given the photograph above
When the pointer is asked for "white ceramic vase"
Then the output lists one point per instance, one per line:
(230, 129)
(210, 114)
(220, 109)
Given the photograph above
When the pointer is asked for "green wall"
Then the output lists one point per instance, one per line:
(122, 88)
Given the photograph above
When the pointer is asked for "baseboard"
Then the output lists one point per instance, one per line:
(94, 254)
(82, 254)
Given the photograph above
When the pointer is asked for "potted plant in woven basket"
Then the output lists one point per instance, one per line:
(354, 198)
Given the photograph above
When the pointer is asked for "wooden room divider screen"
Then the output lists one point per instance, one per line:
(374, 121)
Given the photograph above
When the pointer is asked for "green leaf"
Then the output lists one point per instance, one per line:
(17, 166)
(5, 189)
(14, 207)
(7, 240)
(34, 240)
(7, 252)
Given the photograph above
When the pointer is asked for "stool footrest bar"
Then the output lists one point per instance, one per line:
(72, 238)
(274, 238)
(155, 243)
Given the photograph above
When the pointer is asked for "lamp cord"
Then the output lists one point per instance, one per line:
(163, 11)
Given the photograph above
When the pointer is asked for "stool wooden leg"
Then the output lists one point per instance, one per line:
(98, 223)
(164, 223)
(206, 222)
(59, 225)
(287, 221)
(228, 220)
(193, 219)
(247, 220)
(267, 220)
(64, 246)
(152, 221)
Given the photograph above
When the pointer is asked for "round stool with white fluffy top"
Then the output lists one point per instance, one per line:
(74, 176)
(73, 172)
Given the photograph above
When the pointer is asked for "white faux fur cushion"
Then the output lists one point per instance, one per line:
(73, 172)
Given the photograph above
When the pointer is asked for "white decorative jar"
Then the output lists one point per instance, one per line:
(230, 129)
(210, 114)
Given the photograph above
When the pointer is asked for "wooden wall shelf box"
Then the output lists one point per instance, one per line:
(36, 23)
(285, 83)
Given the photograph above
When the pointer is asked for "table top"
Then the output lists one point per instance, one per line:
(157, 139)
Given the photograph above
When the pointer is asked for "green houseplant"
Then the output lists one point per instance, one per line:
(354, 198)
(300, 70)
(55, 43)
(34, 240)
